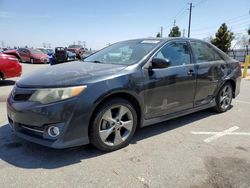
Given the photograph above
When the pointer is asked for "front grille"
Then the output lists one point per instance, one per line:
(27, 129)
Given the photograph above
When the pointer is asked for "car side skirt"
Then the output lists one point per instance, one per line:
(178, 114)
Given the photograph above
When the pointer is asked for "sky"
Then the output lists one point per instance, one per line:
(100, 22)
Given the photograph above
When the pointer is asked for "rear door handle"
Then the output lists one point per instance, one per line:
(190, 72)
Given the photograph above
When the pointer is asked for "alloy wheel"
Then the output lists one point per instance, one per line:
(226, 97)
(116, 125)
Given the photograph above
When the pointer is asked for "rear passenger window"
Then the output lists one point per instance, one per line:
(204, 53)
(176, 52)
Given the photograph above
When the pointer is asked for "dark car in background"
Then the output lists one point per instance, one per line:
(63, 55)
(127, 85)
(77, 49)
(33, 55)
(9, 66)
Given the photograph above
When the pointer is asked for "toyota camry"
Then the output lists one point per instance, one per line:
(131, 84)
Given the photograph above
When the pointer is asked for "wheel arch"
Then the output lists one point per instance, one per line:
(123, 95)
(232, 82)
(1, 75)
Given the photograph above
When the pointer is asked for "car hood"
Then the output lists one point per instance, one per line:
(38, 56)
(69, 74)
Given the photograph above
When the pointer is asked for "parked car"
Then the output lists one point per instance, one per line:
(77, 49)
(9, 66)
(129, 84)
(86, 54)
(49, 52)
(13, 53)
(60, 55)
(70, 55)
(63, 55)
(33, 55)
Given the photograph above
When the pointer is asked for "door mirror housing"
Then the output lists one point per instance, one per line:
(159, 63)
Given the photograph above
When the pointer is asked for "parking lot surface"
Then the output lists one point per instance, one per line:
(204, 149)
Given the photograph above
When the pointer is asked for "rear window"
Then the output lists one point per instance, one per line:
(203, 52)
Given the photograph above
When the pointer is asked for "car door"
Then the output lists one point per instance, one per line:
(26, 55)
(21, 53)
(210, 70)
(170, 89)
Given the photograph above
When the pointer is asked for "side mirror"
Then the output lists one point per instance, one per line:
(159, 63)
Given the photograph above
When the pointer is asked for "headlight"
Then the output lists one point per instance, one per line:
(46, 96)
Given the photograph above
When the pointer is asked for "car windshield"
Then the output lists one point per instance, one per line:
(43, 50)
(50, 51)
(36, 51)
(75, 46)
(123, 53)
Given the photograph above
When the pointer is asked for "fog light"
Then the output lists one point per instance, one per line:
(53, 131)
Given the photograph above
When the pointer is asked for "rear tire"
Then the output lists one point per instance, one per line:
(113, 125)
(224, 98)
(1, 76)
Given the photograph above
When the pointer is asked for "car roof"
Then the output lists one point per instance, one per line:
(166, 39)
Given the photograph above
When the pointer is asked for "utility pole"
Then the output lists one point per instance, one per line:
(174, 22)
(161, 31)
(190, 17)
(183, 33)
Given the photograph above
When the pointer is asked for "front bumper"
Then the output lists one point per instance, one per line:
(31, 121)
(41, 60)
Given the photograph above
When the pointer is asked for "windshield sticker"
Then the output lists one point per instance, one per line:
(150, 41)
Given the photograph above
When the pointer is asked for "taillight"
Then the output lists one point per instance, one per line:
(12, 58)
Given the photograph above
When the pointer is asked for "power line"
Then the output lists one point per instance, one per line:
(243, 23)
(178, 14)
(230, 22)
(200, 2)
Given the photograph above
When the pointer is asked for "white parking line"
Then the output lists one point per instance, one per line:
(217, 135)
(4, 123)
(239, 101)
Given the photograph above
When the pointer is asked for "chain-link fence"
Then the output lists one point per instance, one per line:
(239, 54)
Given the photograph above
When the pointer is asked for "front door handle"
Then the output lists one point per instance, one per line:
(190, 72)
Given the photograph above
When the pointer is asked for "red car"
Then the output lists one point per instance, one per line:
(33, 55)
(13, 53)
(9, 66)
(77, 49)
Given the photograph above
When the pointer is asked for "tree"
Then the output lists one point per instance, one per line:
(223, 38)
(241, 41)
(248, 32)
(158, 35)
(175, 32)
(208, 38)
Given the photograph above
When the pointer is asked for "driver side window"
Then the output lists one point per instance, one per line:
(176, 52)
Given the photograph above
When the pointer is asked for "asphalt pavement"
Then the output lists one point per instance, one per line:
(204, 149)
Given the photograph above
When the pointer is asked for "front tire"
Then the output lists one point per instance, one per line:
(224, 98)
(113, 125)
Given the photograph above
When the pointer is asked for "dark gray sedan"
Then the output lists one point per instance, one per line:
(127, 85)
